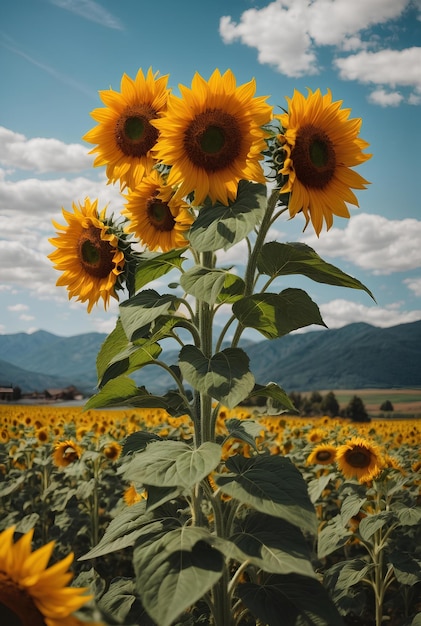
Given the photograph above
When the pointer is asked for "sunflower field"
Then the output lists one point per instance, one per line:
(63, 481)
(183, 508)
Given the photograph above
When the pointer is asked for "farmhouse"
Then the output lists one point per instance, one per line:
(6, 393)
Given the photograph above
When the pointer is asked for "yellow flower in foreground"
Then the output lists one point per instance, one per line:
(65, 453)
(32, 594)
(321, 146)
(323, 454)
(124, 133)
(212, 137)
(131, 495)
(158, 219)
(87, 254)
(359, 459)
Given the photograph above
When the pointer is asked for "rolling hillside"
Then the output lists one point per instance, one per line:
(353, 357)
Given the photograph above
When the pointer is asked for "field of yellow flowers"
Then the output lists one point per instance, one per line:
(60, 476)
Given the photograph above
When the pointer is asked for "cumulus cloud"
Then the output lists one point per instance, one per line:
(385, 67)
(280, 32)
(340, 312)
(385, 99)
(374, 243)
(18, 307)
(414, 284)
(287, 35)
(41, 154)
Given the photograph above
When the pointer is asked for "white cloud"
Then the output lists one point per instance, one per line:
(18, 307)
(385, 67)
(26, 318)
(41, 154)
(340, 312)
(38, 201)
(333, 22)
(374, 243)
(280, 32)
(414, 284)
(385, 99)
(91, 11)
(287, 35)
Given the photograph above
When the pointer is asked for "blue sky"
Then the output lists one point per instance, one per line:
(55, 55)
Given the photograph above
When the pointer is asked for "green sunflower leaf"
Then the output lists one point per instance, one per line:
(275, 315)
(277, 400)
(144, 308)
(368, 525)
(175, 571)
(152, 266)
(289, 599)
(113, 344)
(225, 376)
(271, 485)
(280, 259)
(220, 227)
(333, 536)
(273, 545)
(232, 290)
(115, 392)
(173, 464)
(246, 430)
(132, 523)
(203, 283)
(130, 359)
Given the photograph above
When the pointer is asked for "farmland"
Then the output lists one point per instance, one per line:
(61, 474)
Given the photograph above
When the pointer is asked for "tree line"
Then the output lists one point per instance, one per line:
(317, 404)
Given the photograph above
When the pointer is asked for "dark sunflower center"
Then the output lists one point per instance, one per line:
(96, 256)
(323, 455)
(358, 457)
(16, 606)
(134, 135)
(160, 215)
(213, 140)
(313, 157)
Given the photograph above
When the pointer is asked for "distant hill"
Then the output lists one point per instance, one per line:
(353, 357)
(356, 356)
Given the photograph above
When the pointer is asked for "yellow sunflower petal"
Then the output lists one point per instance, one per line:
(321, 145)
(212, 137)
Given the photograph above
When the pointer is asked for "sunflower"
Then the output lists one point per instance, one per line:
(323, 454)
(131, 495)
(321, 145)
(32, 594)
(112, 450)
(212, 137)
(316, 435)
(124, 133)
(65, 453)
(156, 216)
(359, 458)
(87, 254)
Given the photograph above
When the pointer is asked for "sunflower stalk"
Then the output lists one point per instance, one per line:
(192, 168)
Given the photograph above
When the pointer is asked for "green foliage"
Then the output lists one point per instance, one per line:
(280, 259)
(225, 376)
(208, 518)
(220, 227)
(356, 410)
(275, 315)
(386, 406)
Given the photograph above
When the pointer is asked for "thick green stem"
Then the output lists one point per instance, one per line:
(205, 331)
(95, 504)
(250, 274)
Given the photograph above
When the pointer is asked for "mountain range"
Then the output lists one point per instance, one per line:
(355, 356)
